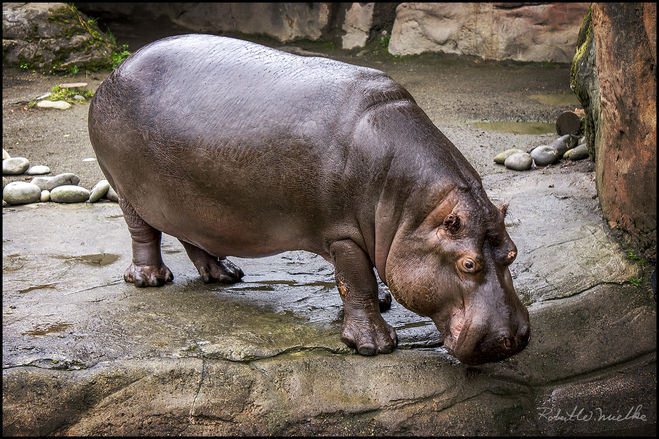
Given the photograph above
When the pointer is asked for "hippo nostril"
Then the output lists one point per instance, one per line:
(507, 342)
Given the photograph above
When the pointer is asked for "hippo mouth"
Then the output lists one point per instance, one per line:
(456, 330)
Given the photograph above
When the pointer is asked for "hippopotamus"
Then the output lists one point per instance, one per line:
(238, 149)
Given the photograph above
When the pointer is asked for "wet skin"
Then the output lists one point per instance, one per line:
(241, 150)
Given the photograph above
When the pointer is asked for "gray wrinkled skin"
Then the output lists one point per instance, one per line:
(241, 150)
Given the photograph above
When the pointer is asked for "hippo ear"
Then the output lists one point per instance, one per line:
(452, 223)
(504, 209)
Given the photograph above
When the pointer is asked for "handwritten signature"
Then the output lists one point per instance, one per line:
(584, 415)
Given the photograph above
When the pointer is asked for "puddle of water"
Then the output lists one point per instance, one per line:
(99, 259)
(558, 99)
(57, 327)
(517, 127)
(36, 287)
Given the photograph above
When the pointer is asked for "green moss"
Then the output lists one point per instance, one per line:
(66, 94)
(636, 281)
(583, 41)
(631, 256)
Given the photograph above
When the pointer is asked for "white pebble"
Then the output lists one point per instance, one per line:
(74, 85)
(38, 170)
(45, 195)
(60, 105)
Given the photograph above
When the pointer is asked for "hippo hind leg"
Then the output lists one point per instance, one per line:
(212, 268)
(147, 268)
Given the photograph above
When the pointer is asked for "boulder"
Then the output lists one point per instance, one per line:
(282, 21)
(51, 36)
(614, 75)
(498, 31)
(357, 25)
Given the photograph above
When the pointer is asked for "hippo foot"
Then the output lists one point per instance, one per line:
(219, 270)
(148, 275)
(369, 335)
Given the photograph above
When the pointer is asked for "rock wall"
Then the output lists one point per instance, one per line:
(498, 31)
(626, 156)
(490, 30)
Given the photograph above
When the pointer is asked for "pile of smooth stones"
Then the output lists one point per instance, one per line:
(564, 147)
(61, 188)
(568, 146)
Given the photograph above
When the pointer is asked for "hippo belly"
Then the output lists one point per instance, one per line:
(237, 149)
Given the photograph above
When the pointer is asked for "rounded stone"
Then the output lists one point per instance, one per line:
(21, 192)
(69, 193)
(45, 196)
(564, 143)
(99, 190)
(4, 182)
(520, 161)
(5, 154)
(502, 156)
(38, 170)
(59, 105)
(15, 165)
(49, 183)
(578, 153)
(544, 155)
(112, 195)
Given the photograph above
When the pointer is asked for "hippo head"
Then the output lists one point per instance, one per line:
(452, 266)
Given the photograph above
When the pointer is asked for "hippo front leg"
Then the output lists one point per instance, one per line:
(147, 268)
(363, 326)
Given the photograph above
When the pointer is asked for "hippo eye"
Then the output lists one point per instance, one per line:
(468, 265)
(452, 223)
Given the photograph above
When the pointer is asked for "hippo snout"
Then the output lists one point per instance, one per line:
(496, 346)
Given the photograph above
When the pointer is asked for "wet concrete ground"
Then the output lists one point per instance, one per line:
(85, 353)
